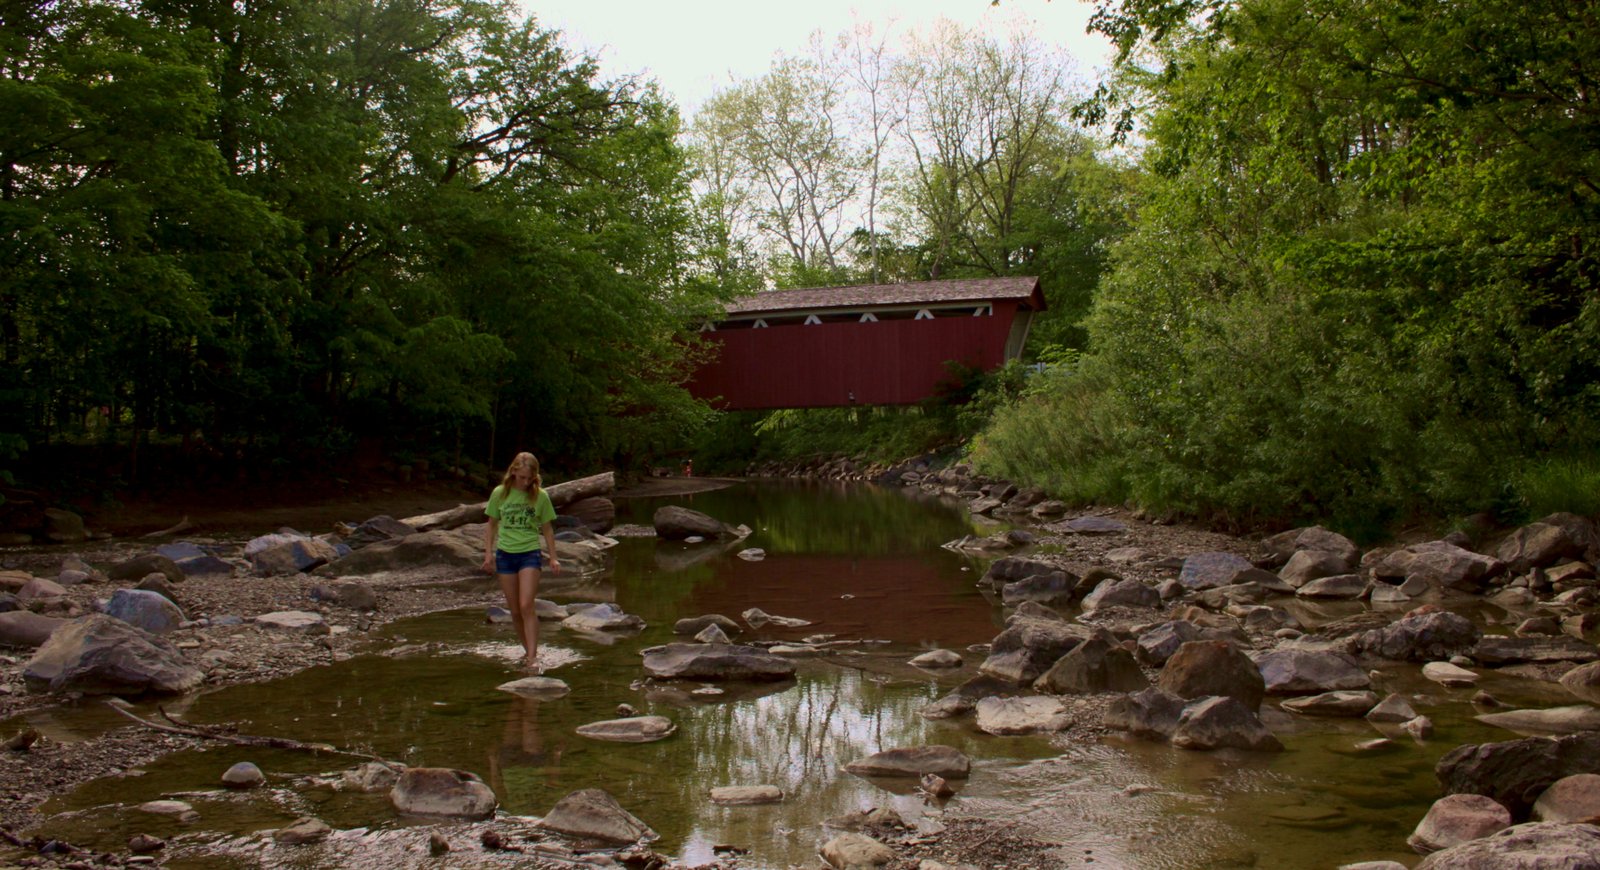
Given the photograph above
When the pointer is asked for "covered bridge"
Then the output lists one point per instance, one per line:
(878, 344)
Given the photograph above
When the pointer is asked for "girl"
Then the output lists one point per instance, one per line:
(520, 514)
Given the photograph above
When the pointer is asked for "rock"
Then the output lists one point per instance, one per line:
(745, 795)
(637, 729)
(755, 617)
(1420, 728)
(964, 698)
(369, 777)
(1418, 637)
(603, 617)
(939, 658)
(1210, 570)
(1158, 644)
(440, 791)
(852, 851)
(696, 624)
(1308, 565)
(1152, 714)
(243, 775)
(1121, 593)
(1345, 587)
(1516, 772)
(1499, 650)
(379, 528)
(944, 761)
(1054, 589)
(1583, 681)
(98, 654)
(441, 548)
(1094, 526)
(1342, 703)
(1010, 569)
(712, 634)
(288, 554)
(1395, 708)
(1537, 545)
(592, 814)
(1571, 799)
(674, 523)
(1551, 720)
(64, 527)
(1202, 668)
(1440, 564)
(1028, 647)
(597, 513)
(1531, 846)
(22, 628)
(1457, 818)
(1098, 664)
(1449, 676)
(301, 831)
(135, 569)
(40, 589)
(696, 661)
(1294, 671)
(1002, 716)
(1538, 625)
(166, 808)
(139, 844)
(354, 595)
(145, 609)
(1222, 723)
(293, 622)
(536, 687)
(752, 554)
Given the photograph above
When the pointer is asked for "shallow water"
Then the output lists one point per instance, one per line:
(862, 564)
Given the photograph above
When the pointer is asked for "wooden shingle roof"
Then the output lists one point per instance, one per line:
(871, 295)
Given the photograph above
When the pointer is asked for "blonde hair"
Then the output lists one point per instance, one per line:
(518, 461)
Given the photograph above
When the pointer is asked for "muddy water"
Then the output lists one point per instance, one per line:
(859, 563)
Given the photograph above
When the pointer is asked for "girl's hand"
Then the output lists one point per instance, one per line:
(555, 565)
(488, 564)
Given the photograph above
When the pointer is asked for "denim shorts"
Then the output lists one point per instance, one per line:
(511, 563)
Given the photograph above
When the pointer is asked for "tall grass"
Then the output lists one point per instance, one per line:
(1560, 483)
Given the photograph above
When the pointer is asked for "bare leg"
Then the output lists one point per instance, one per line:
(508, 586)
(527, 611)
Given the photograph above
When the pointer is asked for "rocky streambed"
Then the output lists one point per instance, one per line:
(1116, 634)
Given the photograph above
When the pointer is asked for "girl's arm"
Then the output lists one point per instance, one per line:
(490, 532)
(549, 533)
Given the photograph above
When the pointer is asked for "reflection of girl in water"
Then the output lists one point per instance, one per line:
(520, 514)
(522, 747)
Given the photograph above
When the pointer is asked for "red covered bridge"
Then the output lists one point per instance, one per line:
(879, 344)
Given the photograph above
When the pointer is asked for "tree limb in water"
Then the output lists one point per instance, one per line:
(186, 729)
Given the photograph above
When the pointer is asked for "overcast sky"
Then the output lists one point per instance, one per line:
(694, 47)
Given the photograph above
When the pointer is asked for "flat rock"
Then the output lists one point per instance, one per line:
(1094, 526)
(1583, 681)
(1345, 587)
(743, 795)
(439, 548)
(1457, 818)
(1450, 676)
(1305, 671)
(634, 729)
(675, 523)
(944, 761)
(1209, 570)
(293, 622)
(1054, 589)
(1550, 720)
(1002, 716)
(592, 814)
(133, 570)
(166, 808)
(1342, 703)
(440, 791)
(1498, 650)
(603, 617)
(1530, 846)
(536, 687)
(705, 661)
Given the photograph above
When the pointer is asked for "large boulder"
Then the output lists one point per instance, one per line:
(715, 662)
(1054, 589)
(1152, 714)
(592, 814)
(24, 628)
(1028, 647)
(434, 549)
(1201, 668)
(64, 527)
(147, 610)
(1570, 799)
(1419, 637)
(379, 528)
(597, 514)
(1457, 818)
(1516, 772)
(1096, 665)
(1538, 545)
(440, 791)
(133, 570)
(1113, 592)
(1010, 569)
(1308, 565)
(1292, 671)
(942, 761)
(98, 654)
(1222, 723)
(1158, 644)
(674, 523)
(1439, 564)
(1531, 846)
(288, 554)
(1546, 720)
(1210, 570)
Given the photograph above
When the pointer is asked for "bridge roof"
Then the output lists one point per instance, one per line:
(874, 295)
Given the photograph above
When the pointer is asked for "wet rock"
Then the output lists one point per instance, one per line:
(592, 814)
(674, 523)
(1516, 772)
(166, 808)
(1202, 668)
(1210, 570)
(243, 775)
(22, 628)
(1550, 720)
(1571, 799)
(536, 687)
(752, 554)
(695, 624)
(1002, 716)
(636, 729)
(1308, 565)
(1418, 637)
(1499, 650)
(1054, 589)
(144, 609)
(1584, 681)
(852, 851)
(496, 615)
(1306, 671)
(98, 654)
(964, 698)
(1532, 845)
(1158, 644)
(1011, 569)
(712, 634)
(939, 658)
(1222, 723)
(1450, 676)
(1121, 593)
(944, 761)
(697, 661)
(369, 777)
(603, 617)
(1028, 647)
(1342, 703)
(745, 795)
(1456, 819)
(302, 831)
(1395, 708)
(1537, 545)
(294, 622)
(440, 791)
(1152, 714)
(1343, 587)
(1420, 728)
(1099, 664)
(935, 786)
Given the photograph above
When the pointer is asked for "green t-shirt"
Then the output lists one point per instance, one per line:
(520, 521)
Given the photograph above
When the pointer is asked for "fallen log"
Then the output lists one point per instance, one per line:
(181, 526)
(561, 495)
(187, 729)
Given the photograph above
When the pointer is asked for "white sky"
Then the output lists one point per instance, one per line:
(693, 47)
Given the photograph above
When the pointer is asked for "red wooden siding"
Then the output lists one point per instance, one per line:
(890, 362)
